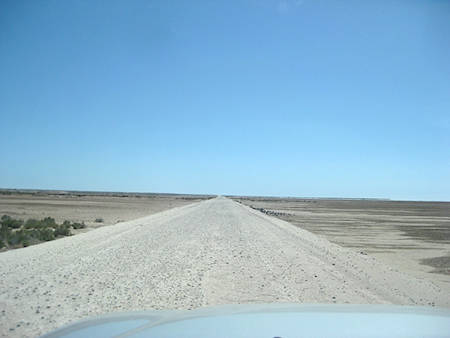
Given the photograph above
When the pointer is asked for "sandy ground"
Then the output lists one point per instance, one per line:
(87, 207)
(411, 236)
(207, 253)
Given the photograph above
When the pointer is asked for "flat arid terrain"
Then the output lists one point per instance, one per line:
(87, 207)
(413, 237)
(211, 252)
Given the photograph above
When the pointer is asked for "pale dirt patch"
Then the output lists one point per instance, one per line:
(409, 236)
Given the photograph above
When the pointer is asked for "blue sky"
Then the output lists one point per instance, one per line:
(289, 98)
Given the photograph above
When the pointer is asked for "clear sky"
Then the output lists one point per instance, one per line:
(256, 97)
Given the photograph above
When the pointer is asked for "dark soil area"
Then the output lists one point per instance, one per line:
(441, 264)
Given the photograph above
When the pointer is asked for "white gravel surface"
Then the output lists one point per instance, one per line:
(208, 253)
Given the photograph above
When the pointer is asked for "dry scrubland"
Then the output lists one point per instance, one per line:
(87, 207)
(212, 252)
(411, 236)
(56, 214)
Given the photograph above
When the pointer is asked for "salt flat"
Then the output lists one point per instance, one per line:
(412, 236)
(207, 253)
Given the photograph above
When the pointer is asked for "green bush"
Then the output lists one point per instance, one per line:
(5, 232)
(33, 224)
(11, 222)
(4, 229)
(18, 237)
(62, 230)
(48, 222)
(46, 234)
(14, 233)
(78, 225)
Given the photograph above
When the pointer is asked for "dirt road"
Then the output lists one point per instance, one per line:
(208, 253)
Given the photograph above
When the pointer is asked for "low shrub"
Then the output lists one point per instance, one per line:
(78, 225)
(15, 233)
(17, 237)
(11, 222)
(48, 222)
(33, 223)
(62, 230)
(46, 234)
(5, 232)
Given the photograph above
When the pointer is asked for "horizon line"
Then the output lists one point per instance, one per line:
(62, 191)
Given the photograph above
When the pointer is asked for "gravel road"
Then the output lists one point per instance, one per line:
(208, 253)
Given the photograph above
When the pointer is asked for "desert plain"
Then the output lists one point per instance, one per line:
(184, 252)
(413, 236)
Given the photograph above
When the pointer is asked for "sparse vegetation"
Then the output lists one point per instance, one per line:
(10, 222)
(62, 230)
(78, 225)
(15, 233)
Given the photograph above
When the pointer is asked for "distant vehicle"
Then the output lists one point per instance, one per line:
(271, 321)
